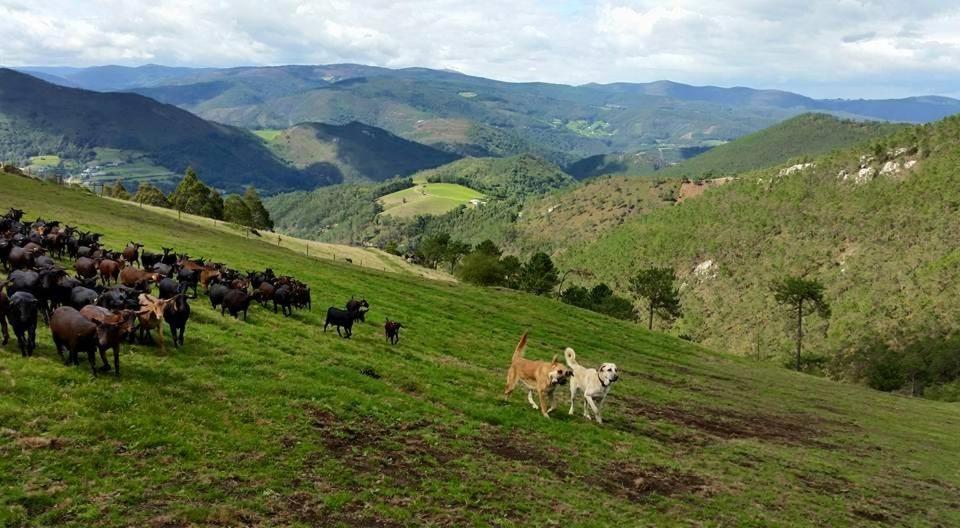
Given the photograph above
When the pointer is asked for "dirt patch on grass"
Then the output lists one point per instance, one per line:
(730, 424)
(636, 483)
(518, 449)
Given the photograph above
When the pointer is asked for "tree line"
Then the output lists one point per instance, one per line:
(194, 197)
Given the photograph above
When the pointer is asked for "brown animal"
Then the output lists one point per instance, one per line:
(131, 276)
(264, 293)
(391, 329)
(540, 376)
(23, 257)
(131, 253)
(114, 326)
(206, 275)
(150, 316)
(109, 270)
(86, 267)
(77, 334)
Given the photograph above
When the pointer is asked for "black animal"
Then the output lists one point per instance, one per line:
(190, 277)
(236, 301)
(391, 329)
(22, 314)
(359, 305)
(282, 297)
(81, 296)
(176, 314)
(72, 330)
(168, 288)
(341, 319)
(217, 293)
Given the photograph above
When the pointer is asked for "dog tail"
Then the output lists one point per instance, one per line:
(571, 357)
(521, 346)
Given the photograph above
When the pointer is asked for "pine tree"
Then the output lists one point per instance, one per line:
(795, 292)
(656, 286)
(260, 217)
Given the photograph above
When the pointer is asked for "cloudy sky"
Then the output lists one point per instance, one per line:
(823, 48)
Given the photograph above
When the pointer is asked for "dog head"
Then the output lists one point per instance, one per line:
(559, 373)
(608, 373)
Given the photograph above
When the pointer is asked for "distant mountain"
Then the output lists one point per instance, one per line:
(39, 118)
(482, 117)
(112, 78)
(354, 152)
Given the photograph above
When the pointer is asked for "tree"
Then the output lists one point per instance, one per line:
(577, 296)
(260, 217)
(455, 251)
(487, 247)
(118, 191)
(235, 210)
(796, 292)
(656, 286)
(192, 196)
(481, 268)
(150, 195)
(433, 249)
(512, 267)
(539, 275)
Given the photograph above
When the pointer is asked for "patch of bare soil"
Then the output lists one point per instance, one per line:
(635, 482)
(730, 424)
(517, 448)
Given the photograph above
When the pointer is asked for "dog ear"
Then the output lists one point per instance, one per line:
(554, 358)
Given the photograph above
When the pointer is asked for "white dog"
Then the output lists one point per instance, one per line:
(595, 384)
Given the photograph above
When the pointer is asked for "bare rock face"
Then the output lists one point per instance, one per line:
(705, 270)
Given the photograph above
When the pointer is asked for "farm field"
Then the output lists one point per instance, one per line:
(272, 422)
(427, 199)
(45, 161)
(267, 134)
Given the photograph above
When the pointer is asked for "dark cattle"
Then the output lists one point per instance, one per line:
(132, 277)
(176, 314)
(119, 298)
(22, 314)
(80, 297)
(169, 257)
(341, 319)
(282, 297)
(4, 309)
(43, 261)
(22, 258)
(360, 306)
(24, 280)
(148, 259)
(217, 293)
(164, 270)
(76, 333)
(167, 288)
(236, 301)
(131, 253)
(263, 293)
(109, 270)
(112, 328)
(391, 329)
(190, 277)
(86, 267)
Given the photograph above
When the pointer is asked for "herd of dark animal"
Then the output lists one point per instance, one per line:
(109, 299)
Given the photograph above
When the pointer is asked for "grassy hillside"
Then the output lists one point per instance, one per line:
(875, 224)
(427, 199)
(640, 163)
(354, 152)
(802, 136)
(38, 118)
(273, 422)
(506, 178)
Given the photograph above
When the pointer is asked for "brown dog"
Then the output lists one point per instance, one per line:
(540, 376)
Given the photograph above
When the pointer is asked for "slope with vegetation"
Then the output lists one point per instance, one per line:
(273, 422)
(354, 152)
(875, 224)
(39, 118)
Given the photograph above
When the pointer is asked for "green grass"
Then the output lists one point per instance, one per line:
(427, 199)
(267, 134)
(45, 161)
(270, 422)
(595, 129)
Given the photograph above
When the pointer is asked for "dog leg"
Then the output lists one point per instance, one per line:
(585, 413)
(573, 395)
(511, 384)
(596, 412)
(543, 405)
(530, 399)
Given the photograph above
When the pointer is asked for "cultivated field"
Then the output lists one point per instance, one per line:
(427, 199)
(272, 422)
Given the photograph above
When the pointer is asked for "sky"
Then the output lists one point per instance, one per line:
(821, 48)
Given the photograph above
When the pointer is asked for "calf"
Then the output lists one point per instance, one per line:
(391, 329)
(236, 301)
(22, 314)
(341, 319)
(176, 314)
(113, 327)
(76, 333)
(109, 270)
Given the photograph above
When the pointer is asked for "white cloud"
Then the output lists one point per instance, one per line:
(826, 47)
